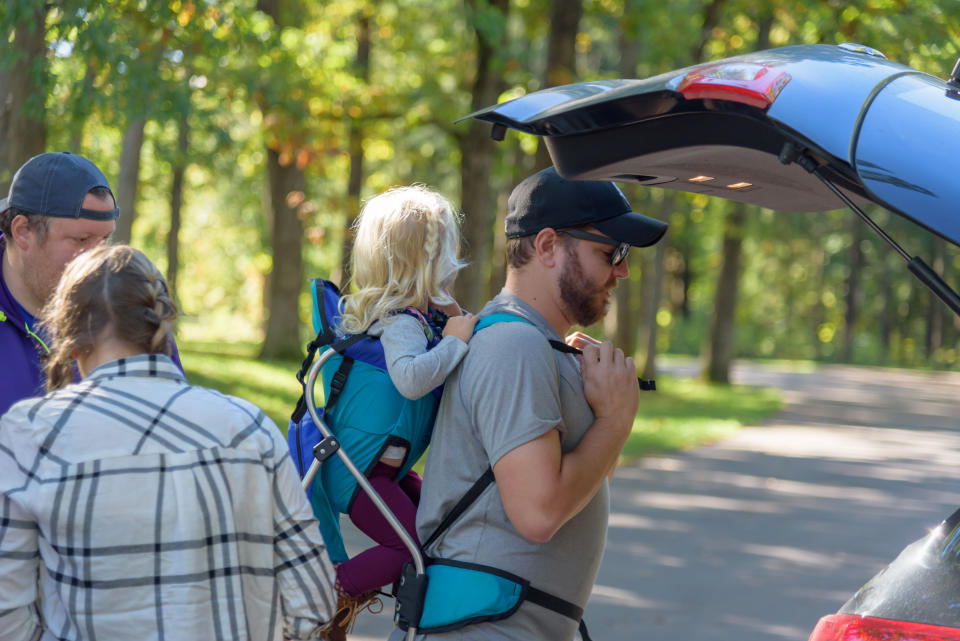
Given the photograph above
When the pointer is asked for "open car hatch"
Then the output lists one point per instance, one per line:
(797, 129)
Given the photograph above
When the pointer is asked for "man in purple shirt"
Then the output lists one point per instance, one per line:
(59, 205)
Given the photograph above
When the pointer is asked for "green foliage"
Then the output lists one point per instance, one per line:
(685, 412)
(232, 368)
(247, 80)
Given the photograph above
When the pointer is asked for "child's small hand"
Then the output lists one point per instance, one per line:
(461, 326)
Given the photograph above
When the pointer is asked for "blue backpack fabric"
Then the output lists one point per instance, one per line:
(363, 409)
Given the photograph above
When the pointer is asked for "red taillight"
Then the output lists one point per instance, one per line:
(751, 83)
(853, 627)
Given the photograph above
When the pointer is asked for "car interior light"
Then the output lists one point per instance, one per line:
(740, 185)
(750, 83)
(700, 179)
(853, 627)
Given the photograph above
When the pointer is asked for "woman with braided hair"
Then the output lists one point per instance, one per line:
(404, 260)
(150, 508)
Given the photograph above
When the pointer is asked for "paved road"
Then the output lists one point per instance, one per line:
(755, 537)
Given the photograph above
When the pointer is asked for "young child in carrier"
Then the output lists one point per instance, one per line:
(404, 261)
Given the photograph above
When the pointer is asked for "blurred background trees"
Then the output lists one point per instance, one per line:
(242, 137)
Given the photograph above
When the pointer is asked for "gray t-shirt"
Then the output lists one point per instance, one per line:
(510, 389)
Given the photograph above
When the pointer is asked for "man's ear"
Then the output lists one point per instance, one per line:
(21, 232)
(547, 245)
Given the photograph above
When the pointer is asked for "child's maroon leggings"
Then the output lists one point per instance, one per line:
(381, 564)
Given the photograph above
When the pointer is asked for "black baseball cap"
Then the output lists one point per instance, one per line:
(547, 200)
(55, 184)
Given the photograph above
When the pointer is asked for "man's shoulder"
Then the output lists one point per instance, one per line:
(508, 350)
(510, 333)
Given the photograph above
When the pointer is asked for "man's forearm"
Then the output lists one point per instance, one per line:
(542, 487)
(585, 468)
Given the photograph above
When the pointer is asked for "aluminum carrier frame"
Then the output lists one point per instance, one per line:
(330, 445)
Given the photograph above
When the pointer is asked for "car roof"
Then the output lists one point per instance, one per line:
(881, 131)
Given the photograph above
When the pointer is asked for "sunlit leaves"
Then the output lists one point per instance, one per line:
(297, 89)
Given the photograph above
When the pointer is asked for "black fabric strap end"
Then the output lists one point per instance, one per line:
(550, 602)
(338, 381)
(299, 410)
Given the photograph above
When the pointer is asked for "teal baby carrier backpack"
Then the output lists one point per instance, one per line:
(361, 407)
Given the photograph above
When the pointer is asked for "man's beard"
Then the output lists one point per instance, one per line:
(583, 300)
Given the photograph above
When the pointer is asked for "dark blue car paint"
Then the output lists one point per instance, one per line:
(907, 152)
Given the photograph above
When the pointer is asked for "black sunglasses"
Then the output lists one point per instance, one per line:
(619, 253)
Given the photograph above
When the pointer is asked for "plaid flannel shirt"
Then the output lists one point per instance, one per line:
(152, 509)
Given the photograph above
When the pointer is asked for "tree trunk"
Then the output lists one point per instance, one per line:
(853, 289)
(711, 18)
(651, 292)
(477, 152)
(126, 188)
(561, 55)
(520, 168)
(935, 324)
(626, 331)
(23, 132)
(81, 109)
(176, 204)
(621, 326)
(355, 181)
(720, 349)
(819, 260)
(283, 197)
(888, 317)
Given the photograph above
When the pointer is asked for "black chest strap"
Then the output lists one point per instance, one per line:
(533, 595)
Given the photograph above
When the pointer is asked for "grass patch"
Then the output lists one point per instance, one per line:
(233, 368)
(685, 412)
(682, 413)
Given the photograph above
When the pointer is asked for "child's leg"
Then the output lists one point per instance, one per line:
(411, 484)
(381, 564)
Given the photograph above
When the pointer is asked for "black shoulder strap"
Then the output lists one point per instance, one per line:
(472, 495)
(555, 603)
(560, 346)
(326, 336)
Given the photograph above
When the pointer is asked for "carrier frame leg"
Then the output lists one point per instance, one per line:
(329, 446)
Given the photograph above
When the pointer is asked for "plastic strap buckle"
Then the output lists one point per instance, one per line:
(411, 593)
(326, 448)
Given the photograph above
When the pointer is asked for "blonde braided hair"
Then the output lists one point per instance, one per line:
(405, 254)
(113, 288)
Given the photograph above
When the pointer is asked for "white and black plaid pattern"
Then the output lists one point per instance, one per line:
(152, 509)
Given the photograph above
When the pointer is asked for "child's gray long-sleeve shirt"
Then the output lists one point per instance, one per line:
(415, 370)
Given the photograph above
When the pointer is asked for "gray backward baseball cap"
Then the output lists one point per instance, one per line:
(55, 184)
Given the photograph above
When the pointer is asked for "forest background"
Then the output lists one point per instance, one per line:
(242, 137)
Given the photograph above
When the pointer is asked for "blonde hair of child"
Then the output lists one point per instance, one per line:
(405, 254)
(111, 287)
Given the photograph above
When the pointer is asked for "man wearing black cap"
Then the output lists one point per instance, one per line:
(550, 424)
(59, 205)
